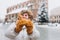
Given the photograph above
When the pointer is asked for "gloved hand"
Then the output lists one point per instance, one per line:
(21, 22)
(29, 26)
(19, 25)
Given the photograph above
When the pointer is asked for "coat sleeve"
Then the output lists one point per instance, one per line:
(10, 33)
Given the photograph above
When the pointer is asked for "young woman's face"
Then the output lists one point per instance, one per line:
(25, 15)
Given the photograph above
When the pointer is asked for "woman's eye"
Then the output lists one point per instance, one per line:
(25, 15)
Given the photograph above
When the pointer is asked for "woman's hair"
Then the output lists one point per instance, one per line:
(30, 14)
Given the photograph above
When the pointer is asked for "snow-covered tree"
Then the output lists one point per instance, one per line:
(42, 12)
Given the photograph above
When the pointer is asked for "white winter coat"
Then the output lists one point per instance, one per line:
(22, 35)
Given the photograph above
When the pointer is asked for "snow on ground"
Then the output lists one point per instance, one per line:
(46, 32)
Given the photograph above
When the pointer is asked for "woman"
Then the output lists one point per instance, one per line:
(25, 28)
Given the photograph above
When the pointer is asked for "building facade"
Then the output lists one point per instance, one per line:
(11, 17)
(55, 18)
(55, 15)
(32, 5)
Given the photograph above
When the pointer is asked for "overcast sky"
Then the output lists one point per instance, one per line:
(53, 4)
(4, 4)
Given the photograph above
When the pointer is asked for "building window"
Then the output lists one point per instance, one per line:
(16, 15)
(59, 16)
(12, 15)
(9, 16)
